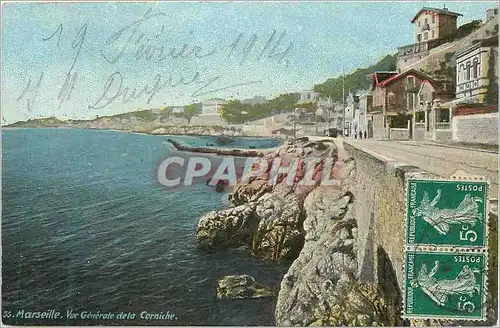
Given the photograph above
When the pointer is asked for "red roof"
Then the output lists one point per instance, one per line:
(438, 11)
(408, 72)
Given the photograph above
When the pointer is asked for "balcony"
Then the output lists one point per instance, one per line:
(421, 47)
(425, 27)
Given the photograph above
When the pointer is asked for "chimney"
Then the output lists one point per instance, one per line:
(444, 8)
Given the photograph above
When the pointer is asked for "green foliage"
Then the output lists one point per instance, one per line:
(190, 110)
(355, 80)
(146, 115)
(467, 28)
(237, 112)
(188, 113)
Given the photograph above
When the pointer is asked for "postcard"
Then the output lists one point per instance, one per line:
(249, 163)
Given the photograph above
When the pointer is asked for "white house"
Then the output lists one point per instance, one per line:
(360, 115)
(212, 106)
(308, 96)
(476, 70)
(177, 109)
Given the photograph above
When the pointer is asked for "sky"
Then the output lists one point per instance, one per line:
(83, 60)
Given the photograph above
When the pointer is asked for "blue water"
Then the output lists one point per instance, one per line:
(85, 226)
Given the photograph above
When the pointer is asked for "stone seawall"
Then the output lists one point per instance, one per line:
(380, 211)
(379, 208)
(350, 270)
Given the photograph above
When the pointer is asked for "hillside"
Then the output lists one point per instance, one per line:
(355, 80)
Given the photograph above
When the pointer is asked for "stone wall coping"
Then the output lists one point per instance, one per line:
(484, 115)
(404, 171)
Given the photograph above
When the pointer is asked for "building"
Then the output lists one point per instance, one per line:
(352, 105)
(336, 115)
(375, 114)
(308, 96)
(176, 109)
(491, 13)
(394, 99)
(477, 72)
(324, 108)
(433, 27)
(365, 107)
(212, 106)
(359, 117)
(433, 23)
(430, 119)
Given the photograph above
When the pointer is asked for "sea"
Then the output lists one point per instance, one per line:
(87, 229)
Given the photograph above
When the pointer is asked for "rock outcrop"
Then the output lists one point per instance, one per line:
(268, 217)
(241, 287)
(321, 287)
(250, 192)
(233, 227)
(279, 235)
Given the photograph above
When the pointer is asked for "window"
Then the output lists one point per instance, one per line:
(419, 37)
(433, 18)
(432, 33)
(426, 35)
(410, 82)
(444, 115)
(418, 23)
(467, 71)
(475, 68)
(426, 21)
(391, 99)
(411, 101)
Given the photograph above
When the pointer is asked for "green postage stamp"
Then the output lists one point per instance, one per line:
(445, 285)
(446, 249)
(446, 213)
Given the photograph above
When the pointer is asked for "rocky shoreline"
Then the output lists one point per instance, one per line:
(152, 129)
(314, 228)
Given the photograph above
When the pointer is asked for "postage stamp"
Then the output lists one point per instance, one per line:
(446, 212)
(202, 163)
(445, 285)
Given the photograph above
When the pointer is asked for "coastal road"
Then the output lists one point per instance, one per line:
(442, 160)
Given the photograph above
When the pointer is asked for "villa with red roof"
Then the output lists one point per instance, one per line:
(395, 98)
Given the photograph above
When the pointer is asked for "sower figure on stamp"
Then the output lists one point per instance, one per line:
(439, 290)
(441, 219)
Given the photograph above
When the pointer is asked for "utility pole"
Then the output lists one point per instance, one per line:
(295, 124)
(343, 103)
(316, 112)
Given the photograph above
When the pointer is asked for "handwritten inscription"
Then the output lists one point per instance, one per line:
(144, 41)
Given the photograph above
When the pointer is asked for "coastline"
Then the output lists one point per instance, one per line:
(208, 128)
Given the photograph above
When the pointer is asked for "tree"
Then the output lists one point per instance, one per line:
(237, 112)
(190, 111)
